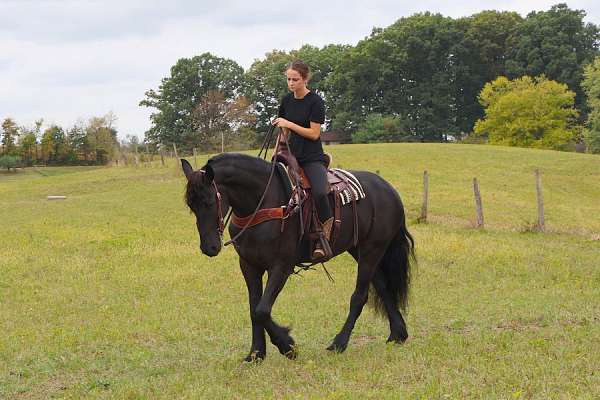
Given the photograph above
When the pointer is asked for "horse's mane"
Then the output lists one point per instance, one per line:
(243, 161)
(239, 159)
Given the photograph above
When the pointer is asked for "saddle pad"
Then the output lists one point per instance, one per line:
(353, 191)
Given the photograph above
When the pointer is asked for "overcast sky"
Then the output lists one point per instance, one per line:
(65, 60)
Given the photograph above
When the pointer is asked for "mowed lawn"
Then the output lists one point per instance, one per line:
(106, 295)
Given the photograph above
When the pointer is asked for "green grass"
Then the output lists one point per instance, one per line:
(105, 294)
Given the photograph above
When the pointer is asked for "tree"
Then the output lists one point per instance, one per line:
(48, 144)
(28, 142)
(28, 147)
(380, 128)
(8, 162)
(480, 56)
(555, 43)
(78, 140)
(265, 85)
(10, 132)
(591, 86)
(179, 94)
(214, 116)
(101, 136)
(409, 69)
(528, 112)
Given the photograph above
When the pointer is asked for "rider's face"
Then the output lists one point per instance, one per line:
(294, 80)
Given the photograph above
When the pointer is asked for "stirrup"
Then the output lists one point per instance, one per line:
(322, 251)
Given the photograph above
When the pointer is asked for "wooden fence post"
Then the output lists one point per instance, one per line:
(162, 156)
(540, 201)
(175, 150)
(195, 159)
(423, 216)
(478, 206)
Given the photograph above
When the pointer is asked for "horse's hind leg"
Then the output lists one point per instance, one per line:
(253, 278)
(279, 335)
(366, 269)
(398, 331)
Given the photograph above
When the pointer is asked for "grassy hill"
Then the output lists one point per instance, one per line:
(105, 294)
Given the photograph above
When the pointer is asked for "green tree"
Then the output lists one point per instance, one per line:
(591, 85)
(101, 136)
(48, 146)
(8, 161)
(191, 79)
(528, 112)
(480, 58)
(78, 140)
(28, 147)
(555, 43)
(409, 69)
(265, 85)
(380, 128)
(10, 133)
(28, 142)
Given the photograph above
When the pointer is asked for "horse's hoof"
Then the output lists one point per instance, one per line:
(292, 353)
(288, 349)
(255, 357)
(337, 347)
(397, 338)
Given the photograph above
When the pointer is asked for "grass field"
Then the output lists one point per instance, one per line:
(106, 295)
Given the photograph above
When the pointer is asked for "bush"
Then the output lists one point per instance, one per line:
(381, 128)
(9, 162)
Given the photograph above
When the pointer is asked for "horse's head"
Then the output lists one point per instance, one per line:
(203, 198)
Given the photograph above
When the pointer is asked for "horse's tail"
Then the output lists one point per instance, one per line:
(396, 268)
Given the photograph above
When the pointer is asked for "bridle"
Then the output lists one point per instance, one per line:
(220, 219)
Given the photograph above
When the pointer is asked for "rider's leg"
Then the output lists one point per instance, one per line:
(317, 174)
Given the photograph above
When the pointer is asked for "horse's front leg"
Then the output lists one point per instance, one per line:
(253, 278)
(279, 335)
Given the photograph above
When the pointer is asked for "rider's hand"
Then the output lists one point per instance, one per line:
(282, 123)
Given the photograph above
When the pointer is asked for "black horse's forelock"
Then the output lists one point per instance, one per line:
(193, 188)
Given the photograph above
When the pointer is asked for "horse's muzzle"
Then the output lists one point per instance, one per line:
(211, 250)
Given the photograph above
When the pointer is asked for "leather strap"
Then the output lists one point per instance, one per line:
(261, 216)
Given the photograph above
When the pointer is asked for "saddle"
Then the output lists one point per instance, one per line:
(343, 186)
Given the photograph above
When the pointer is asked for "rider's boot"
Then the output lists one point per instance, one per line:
(322, 251)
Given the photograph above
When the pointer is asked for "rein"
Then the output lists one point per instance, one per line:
(249, 220)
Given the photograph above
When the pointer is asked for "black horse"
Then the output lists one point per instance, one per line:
(383, 252)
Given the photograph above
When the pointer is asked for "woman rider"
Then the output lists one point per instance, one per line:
(300, 116)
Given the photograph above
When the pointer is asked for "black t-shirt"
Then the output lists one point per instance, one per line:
(301, 112)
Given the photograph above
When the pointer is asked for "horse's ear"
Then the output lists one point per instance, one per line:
(187, 168)
(209, 174)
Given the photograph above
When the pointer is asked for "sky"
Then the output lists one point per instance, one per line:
(65, 61)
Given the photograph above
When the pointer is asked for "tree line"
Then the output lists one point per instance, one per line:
(420, 79)
(85, 143)
(491, 77)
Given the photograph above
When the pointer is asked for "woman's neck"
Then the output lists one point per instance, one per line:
(300, 93)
